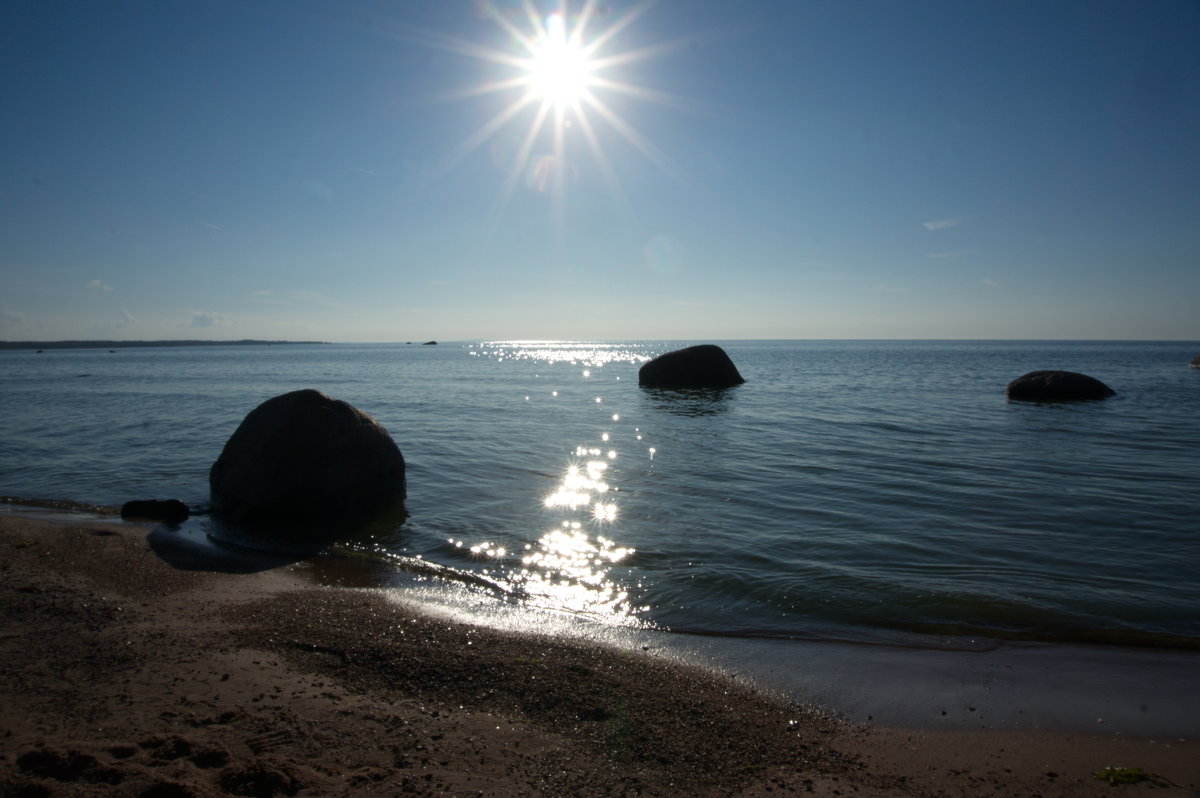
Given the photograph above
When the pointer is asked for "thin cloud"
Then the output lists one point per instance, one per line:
(943, 224)
(10, 318)
(99, 285)
(890, 289)
(210, 226)
(988, 281)
(126, 318)
(958, 253)
(205, 318)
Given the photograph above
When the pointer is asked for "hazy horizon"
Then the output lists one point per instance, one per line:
(534, 170)
(494, 339)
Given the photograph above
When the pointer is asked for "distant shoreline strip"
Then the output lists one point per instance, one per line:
(132, 344)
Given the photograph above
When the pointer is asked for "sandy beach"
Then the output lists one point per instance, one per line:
(124, 675)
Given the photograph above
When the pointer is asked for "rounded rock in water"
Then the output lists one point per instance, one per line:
(1056, 386)
(305, 460)
(703, 366)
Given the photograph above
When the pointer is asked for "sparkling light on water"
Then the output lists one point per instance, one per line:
(569, 567)
(590, 355)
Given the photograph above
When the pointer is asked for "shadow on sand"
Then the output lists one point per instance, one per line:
(189, 547)
(207, 544)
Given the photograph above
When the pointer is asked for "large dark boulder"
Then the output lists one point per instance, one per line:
(305, 460)
(1056, 386)
(1196, 362)
(703, 366)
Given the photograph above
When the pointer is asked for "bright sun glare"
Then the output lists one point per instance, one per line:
(559, 69)
(562, 78)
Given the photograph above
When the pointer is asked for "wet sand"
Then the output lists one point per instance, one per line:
(122, 674)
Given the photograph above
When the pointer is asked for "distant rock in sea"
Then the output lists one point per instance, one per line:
(1196, 362)
(1056, 386)
(307, 461)
(429, 343)
(702, 366)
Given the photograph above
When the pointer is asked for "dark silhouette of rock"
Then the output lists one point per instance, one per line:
(309, 462)
(1196, 362)
(429, 343)
(703, 366)
(1056, 386)
(170, 510)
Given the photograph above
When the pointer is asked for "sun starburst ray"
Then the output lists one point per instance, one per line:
(628, 18)
(515, 32)
(642, 93)
(581, 23)
(557, 59)
(630, 134)
(560, 158)
(519, 164)
(485, 132)
(486, 88)
(642, 54)
(606, 170)
(469, 49)
(532, 17)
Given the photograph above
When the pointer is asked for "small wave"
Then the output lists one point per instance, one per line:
(18, 504)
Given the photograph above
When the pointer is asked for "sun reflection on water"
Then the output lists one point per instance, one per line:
(589, 355)
(576, 566)
(570, 568)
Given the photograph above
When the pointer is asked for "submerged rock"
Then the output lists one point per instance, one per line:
(308, 461)
(1056, 386)
(703, 366)
(169, 510)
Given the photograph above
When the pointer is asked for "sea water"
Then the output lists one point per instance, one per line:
(881, 492)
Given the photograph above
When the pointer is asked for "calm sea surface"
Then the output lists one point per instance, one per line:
(876, 491)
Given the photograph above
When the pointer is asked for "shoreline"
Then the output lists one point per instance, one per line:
(943, 684)
(935, 684)
(976, 641)
(1004, 685)
(124, 674)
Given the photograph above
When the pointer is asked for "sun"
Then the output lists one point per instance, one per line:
(564, 68)
(560, 67)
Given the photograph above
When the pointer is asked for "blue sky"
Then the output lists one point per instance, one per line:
(760, 169)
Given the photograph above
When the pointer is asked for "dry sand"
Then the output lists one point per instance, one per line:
(123, 675)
